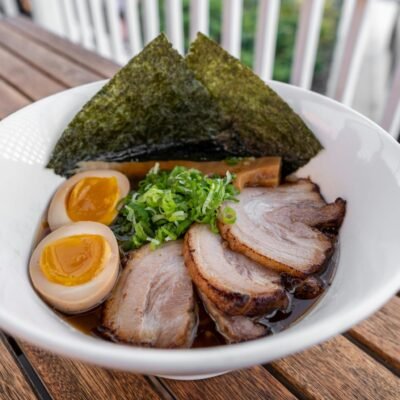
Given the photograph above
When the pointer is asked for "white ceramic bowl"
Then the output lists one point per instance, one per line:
(360, 163)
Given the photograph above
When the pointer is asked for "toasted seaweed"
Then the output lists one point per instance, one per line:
(205, 107)
(264, 122)
(152, 108)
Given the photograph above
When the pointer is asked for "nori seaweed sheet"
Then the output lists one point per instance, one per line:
(265, 123)
(155, 108)
(152, 108)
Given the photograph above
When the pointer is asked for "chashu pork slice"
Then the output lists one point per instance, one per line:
(236, 328)
(233, 282)
(153, 303)
(280, 228)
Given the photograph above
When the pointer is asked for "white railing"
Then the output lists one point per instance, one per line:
(119, 29)
(307, 43)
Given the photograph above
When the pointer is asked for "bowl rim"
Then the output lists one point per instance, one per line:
(219, 358)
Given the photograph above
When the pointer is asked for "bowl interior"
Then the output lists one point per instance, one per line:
(360, 163)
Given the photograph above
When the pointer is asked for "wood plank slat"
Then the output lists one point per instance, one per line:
(231, 36)
(306, 44)
(116, 39)
(10, 7)
(199, 17)
(102, 40)
(10, 99)
(91, 61)
(13, 384)
(28, 80)
(66, 379)
(151, 20)
(49, 15)
(85, 24)
(346, 16)
(174, 23)
(381, 333)
(265, 43)
(55, 65)
(348, 58)
(338, 369)
(391, 116)
(254, 383)
(134, 31)
(72, 29)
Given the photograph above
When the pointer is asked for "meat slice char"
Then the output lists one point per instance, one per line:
(153, 303)
(236, 328)
(283, 228)
(235, 284)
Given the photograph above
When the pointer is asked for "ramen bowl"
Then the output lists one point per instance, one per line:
(360, 163)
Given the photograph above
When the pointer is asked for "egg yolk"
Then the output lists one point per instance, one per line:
(94, 199)
(74, 260)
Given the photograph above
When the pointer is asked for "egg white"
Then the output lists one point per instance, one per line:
(83, 297)
(58, 216)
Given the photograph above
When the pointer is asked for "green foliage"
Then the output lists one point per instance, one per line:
(287, 28)
(288, 18)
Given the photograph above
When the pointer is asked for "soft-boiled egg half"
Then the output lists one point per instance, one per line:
(88, 196)
(75, 267)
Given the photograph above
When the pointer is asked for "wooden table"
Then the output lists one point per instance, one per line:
(364, 363)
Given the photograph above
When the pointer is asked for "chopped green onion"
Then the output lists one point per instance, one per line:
(167, 203)
(233, 160)
(228, 215)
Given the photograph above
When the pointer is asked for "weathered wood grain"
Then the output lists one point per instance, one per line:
(254, 383)
(28, 80)
(56, 66)
(78, 54)
(337, 370)
(65, 379)
(10, 99)
(381, 333)
(13, 385)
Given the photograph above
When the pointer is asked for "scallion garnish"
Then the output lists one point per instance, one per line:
(168, 202)
(228, 215)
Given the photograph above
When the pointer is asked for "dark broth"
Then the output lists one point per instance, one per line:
(90, 324)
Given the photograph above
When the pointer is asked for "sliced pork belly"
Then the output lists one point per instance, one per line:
(234, 329)
(233, 282)
(279, 227)
(153, 303)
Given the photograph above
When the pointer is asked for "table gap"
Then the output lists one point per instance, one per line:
(372, 354)
(285, 382)
(27, 369)
(158, 386)
(10, 99)
(31, 82)
(34, 66)
(17, 88)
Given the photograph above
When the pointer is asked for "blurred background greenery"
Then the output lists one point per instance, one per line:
(287, 26)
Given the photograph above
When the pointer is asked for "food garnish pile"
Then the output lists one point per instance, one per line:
(174, 203)
(168, 202)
